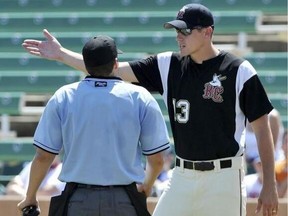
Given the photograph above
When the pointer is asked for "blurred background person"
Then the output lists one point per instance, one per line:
(281, 169)
(50, 186)
(252, 153)
(254, 181)
(162, 181)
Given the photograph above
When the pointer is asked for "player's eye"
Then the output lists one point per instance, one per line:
(184, 32)
(188, 31)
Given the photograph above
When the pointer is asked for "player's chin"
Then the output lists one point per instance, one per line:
(183, 53)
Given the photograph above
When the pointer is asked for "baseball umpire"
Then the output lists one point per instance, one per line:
(103, 125)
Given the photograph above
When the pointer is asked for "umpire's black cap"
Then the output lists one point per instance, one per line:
(99, 50)
(190, 16)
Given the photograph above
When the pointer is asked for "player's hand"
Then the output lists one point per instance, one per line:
(49, 49)
(268, 201)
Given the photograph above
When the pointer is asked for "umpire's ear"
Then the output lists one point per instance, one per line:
(116, 64)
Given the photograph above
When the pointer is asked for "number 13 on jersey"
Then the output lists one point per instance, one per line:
(181, 110)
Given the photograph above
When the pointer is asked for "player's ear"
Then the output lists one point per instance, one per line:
(206, 32)
(209, 31)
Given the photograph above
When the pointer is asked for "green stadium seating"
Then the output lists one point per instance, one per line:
(37, 81)
(280, 102)
(128, 41)
(25, 62)
(274, 81)
(16, 149)
(278, 6)
(11, 102)
(266, 61)
(284, 120)
(226, 22)
(149, 42)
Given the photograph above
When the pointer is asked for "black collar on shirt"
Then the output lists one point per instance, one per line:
(103, 77)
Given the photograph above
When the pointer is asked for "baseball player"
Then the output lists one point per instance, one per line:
(103, 125)
(210, 94)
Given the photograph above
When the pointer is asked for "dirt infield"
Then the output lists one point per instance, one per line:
(8, 205)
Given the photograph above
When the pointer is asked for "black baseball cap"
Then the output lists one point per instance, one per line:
(190, 16)
(99, 50)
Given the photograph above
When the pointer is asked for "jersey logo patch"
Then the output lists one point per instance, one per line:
(100, 84)
(214, 89)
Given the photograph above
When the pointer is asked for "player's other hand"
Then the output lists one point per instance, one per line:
(268, 201)
(49, 49)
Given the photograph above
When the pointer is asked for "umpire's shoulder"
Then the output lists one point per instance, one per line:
(136, 87)
(142, 92)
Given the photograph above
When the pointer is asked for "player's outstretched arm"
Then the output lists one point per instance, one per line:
(51, 49)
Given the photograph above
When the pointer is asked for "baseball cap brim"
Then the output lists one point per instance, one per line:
(180, 24)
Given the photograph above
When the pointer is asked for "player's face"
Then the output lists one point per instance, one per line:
(190, 41)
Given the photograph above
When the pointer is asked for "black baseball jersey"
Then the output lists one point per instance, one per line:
(208, 103)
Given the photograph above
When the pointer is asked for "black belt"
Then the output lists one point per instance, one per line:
(88, 186)
(205, 165)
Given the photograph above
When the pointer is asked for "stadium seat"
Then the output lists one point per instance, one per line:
(17, 149)
(23, 62)
(226, 22)
(148, 42)
(274, 81)
(267, 61)
(11, 102)
(280, 102)
(278, 6)
(133, 41)
(37, 81)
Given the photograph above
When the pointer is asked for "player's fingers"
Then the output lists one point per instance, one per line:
(36, 53)
(32, 49)
(269, 210)
(272, 211)
(30, 42)
(259, 206)
(48, 35)
(32, 46)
